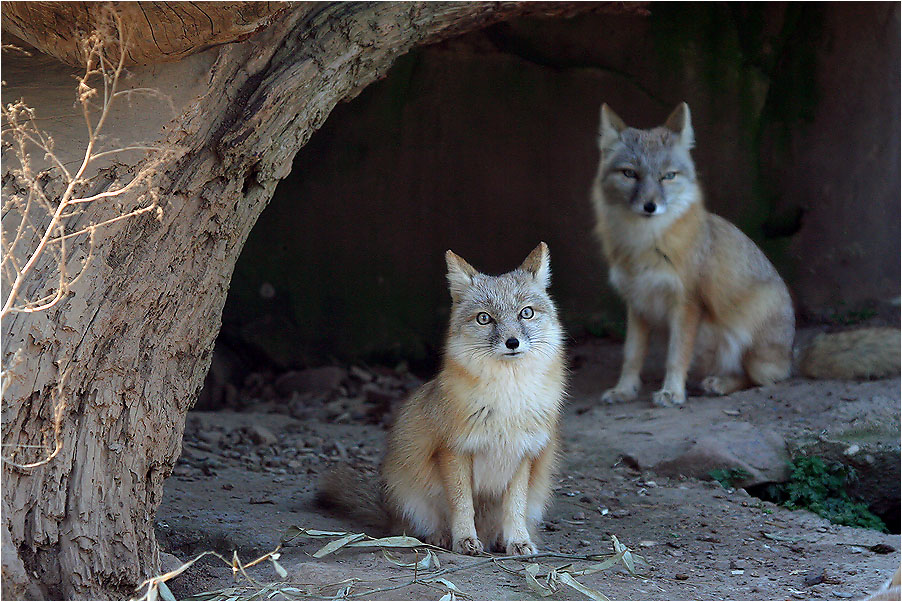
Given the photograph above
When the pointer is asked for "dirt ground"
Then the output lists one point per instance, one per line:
(246, 476)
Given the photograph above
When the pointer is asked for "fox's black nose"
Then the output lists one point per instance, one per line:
(512, 343)
(649, 207)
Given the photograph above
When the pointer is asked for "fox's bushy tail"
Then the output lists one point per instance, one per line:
(854, 354)
(357, 495)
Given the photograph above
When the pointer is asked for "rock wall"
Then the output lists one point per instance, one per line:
(486, 144)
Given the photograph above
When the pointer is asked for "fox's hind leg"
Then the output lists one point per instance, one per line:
(724, 385)
(769, 359)
(768, 364)
(725, 350)
(736, 368)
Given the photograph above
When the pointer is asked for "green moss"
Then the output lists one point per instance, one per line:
(820, 487)
(850, 316)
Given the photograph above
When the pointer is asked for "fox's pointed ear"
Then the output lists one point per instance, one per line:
(680, 122)
(538, 263)
(460, 274)
(610, 128)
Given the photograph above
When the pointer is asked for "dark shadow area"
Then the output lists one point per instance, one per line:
(486, 144)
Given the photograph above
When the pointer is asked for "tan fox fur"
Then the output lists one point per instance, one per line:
(892, 590)
(470, 455)
(691, 271)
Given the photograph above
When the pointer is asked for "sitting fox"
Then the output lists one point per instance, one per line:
(679, 266)
(470, 455)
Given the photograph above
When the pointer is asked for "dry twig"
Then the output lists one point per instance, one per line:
(39, 224)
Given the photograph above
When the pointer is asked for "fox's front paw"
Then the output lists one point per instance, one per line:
(620, 394)
(521, 548)
(471, 546)
(666, 397)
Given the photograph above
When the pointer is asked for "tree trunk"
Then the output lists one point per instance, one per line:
(129, 348)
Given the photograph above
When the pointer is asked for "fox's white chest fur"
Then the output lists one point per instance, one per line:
(646, 278)
(513, 411)
(652, 290)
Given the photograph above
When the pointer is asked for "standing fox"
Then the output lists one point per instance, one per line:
(677, 265)
(470, 455)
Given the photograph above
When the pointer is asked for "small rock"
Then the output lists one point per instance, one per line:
(169, 562)
(375, 394)
(313, 380)
(629, 461)
(620, 513)
(360, 374)
(341, 450)
(584, 543)
(181, 471)
(579, 516)
(844, 595)
(213, 438)
(647, 543)
(260, 435)
(681, 576)
(815, 576)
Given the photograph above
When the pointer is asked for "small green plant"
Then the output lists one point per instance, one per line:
(728, 477)
(820, 487)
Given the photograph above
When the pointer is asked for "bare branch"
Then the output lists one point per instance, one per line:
(36, 254)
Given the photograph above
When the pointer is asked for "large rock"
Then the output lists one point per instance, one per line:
(761, 453)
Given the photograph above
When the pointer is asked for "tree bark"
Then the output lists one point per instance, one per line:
(134, 339)
(159, 31)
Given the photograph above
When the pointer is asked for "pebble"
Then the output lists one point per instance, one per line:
(681, 576)
(260, 435)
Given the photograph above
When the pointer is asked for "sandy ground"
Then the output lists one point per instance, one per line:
(247, 476)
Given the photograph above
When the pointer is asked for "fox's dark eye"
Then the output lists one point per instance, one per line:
(483, 318)
(669, 175)
(629, 173)
(527, 312)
